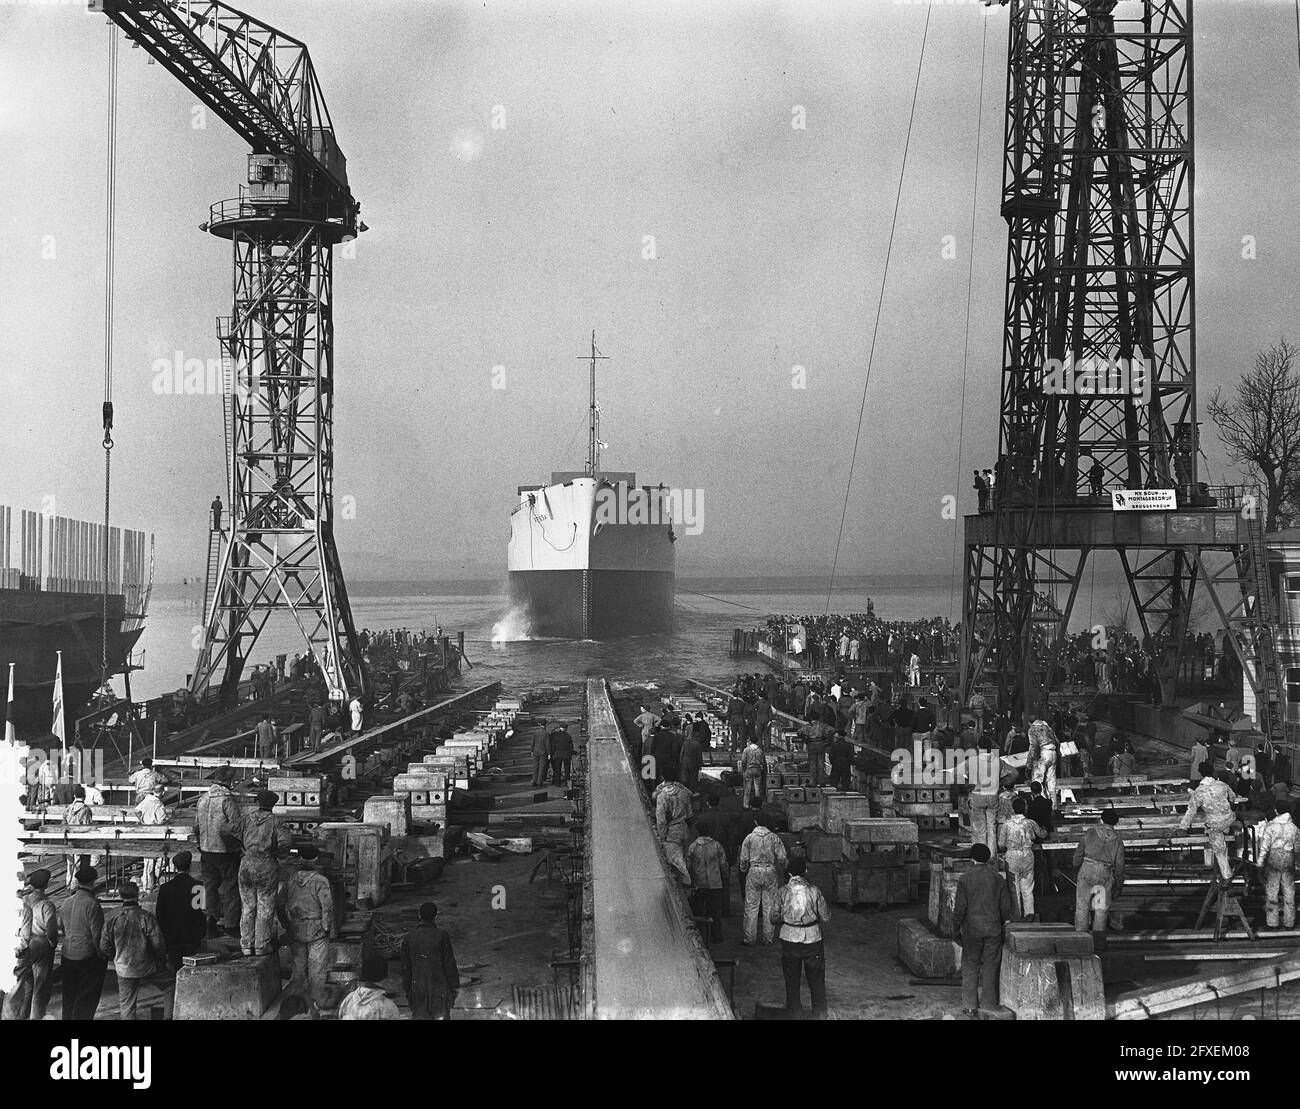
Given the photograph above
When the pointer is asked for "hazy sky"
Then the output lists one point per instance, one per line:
(506, 246)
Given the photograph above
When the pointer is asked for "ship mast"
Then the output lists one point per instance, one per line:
(593, 431)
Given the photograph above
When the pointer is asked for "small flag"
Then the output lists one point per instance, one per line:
(10, 737)
(57, 725)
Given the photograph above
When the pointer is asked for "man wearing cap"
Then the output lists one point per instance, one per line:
(263, 839)
(1100, 859)
(264, 738)
(430, 978)
(980, 912)
(38, 935)
(367, 999)
(216, 816)
(78, 815)
(541, 752)
(145, 779)
(81, 920)
(309, 915)
(152, 813)
(133, 943)
(180, 911)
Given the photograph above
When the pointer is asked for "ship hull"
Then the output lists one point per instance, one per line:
(36, 625)
(619, 602)
(592, 559)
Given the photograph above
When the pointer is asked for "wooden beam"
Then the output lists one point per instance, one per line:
(1184, 993)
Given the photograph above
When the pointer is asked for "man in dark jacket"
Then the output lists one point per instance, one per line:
(561, 752)
(690, 761)
(982, 908)
(540, 754)
(664, 745)
(180, 911)
(81, 920)
(429, 975)
(133, 943)
(841, 755)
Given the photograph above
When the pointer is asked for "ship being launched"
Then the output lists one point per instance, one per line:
(592, 553)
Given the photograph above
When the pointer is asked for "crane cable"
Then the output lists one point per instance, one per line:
(110, 234)
(884, 277)
(970, 278)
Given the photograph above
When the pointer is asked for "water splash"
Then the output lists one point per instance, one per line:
(513, 627)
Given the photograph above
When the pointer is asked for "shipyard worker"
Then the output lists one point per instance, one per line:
(38, 936)
(315, 725)
(751, 765)
(707, 861)
(540, 753)
(132, 941)
(1213, 800)
(690, 760)
(763, 717)
(430, 978)
(672, 811)
(646, 721)
(984, 800)
(81, 920)
(860, 715)
(816, 733)
(799, 913)
(1042, 755)
(180, 911)
(216, 815)
(216, 513)
(367, 999)
(355, 708)
(144, 779)
(1016, 839)
(841, 756)
(1276, 854)
(981, 910)
(78, 815)
(263, 838)
(560, 749)
(663, 749)
(152, 813)
(309, 916)
(982, 490)
(762, 856)
(1100, 879)
(264, 740)
(736, 721)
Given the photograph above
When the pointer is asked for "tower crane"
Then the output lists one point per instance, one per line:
(277, 344)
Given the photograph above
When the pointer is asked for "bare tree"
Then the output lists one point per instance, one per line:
(1260, 428)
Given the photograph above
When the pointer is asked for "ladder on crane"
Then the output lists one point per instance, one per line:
(213, 575)
(1257, 623)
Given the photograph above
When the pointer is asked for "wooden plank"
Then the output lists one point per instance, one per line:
(211, 762)
(1184, 993)
(313, 757)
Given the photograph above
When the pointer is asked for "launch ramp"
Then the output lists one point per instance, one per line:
(650, 961)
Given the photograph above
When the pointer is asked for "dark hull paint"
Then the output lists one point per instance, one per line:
(623, 602)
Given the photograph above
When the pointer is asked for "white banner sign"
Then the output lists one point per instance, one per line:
(1143, 500)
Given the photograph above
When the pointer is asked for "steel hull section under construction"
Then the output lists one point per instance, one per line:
(592, 558)
(36, 624)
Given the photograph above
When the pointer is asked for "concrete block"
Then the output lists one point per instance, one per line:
(241, 989)
(1050, 987)
(391, 809)
(870, 830)
(836, 808)
(822, 847)
(943, 897)
(428, 814)
(925, 954)
(423, 847)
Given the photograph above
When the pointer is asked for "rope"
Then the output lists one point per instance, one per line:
(110, 237)
(970, 277)
(724, 600)
(884, 277)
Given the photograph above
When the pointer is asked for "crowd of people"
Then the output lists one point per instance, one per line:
(863, 638)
